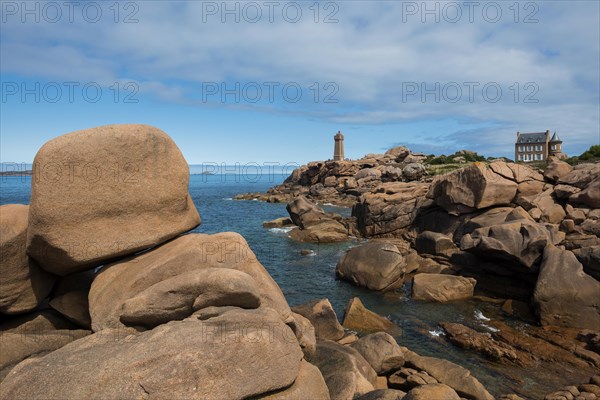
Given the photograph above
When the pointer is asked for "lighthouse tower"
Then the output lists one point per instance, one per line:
(338, 150)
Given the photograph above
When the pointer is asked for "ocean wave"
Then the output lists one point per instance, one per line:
(479, 315)
(437, 332)
(227, 198)
(280, 230)
(490, 328)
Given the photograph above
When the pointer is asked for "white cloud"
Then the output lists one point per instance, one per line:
(370, 53)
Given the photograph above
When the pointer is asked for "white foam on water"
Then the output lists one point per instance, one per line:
(227, 198)
(479, 315)
(254, 199)
(280, 230)
(490, 328)
(437, 332)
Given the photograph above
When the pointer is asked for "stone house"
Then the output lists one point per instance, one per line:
(537, 146)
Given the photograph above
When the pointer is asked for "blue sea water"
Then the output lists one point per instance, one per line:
(303, 278)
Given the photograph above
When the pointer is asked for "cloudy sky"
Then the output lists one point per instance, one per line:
(273, 81)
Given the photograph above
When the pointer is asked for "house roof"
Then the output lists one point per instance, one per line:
(555, 138)
(538, 137)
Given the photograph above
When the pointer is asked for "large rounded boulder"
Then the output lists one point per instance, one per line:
(377, 266)
(102, 193)
(474, 188)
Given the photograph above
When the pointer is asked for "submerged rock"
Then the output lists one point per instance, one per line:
(278, 223)
(470, 339)
(103, 193)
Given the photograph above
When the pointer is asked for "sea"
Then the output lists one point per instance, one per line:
(303, 278)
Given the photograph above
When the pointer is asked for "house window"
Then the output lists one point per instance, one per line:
(520, 157)
(553, 147)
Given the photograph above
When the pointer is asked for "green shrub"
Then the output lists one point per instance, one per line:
(469, 156)
(593, 153)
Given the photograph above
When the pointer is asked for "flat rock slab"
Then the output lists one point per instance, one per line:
(20, 345)
(442, 288)
(236, 355)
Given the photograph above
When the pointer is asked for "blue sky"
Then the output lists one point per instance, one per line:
(426, 75)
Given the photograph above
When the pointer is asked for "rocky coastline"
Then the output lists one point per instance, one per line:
(106, 294)
(525, 238)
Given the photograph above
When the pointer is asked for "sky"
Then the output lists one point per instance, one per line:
(273, 81)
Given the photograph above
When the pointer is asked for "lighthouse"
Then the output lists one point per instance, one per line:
(338, 150)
